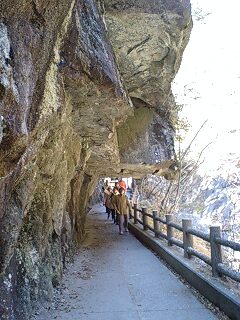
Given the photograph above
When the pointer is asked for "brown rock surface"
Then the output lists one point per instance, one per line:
(62, 100)
(148, 38)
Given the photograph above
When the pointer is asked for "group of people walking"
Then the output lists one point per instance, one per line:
(117, 204)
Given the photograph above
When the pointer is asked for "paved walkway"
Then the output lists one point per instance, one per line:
(114, 277)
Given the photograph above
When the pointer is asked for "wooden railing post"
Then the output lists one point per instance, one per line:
(216, 250)
(135, 213)
(170, 231)
(187, 238)
(155, 223)
(144, 217)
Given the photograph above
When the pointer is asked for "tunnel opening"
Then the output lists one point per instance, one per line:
(113, 181)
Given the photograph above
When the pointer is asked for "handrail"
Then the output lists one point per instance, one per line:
(139, 221)
(150, 228)
(175, 226)
(161, 220)
(161, 235)
(229, 272)
(214, 238)
(199, 255)
(176, 242)
(149, 215)
(199, 234)
(228, 243)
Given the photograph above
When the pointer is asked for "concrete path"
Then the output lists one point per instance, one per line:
(114, 277)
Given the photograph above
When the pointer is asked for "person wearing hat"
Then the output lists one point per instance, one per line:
(123, 208)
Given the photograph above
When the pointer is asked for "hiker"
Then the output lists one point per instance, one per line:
(108, 203)
(122, 184)
(123, 208)
(113, 199)
(105, 185)
(106, 193)
(117, 185)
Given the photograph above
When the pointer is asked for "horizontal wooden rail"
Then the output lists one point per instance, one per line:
(227, 243)
(176, 242)
(199, 234)
(150, 228)
(228, 272)
(149, 215)
(214, 238)
(162, 235)
(175, 226)
(199, 255)
(161, 220)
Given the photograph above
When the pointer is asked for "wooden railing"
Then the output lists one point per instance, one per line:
(214, 238)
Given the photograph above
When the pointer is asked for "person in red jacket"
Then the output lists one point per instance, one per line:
(122, 184)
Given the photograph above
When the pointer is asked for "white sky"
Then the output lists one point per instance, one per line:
(208, 83)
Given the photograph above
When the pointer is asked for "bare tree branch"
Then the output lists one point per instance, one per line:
(193, 139)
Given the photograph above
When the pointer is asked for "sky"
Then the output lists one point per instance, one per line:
(208, 82)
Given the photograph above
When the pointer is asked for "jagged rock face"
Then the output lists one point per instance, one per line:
(61, 101)
(99, 105)
(149, 38)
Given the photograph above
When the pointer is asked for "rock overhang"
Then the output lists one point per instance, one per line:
(148, 38)
(102, 90)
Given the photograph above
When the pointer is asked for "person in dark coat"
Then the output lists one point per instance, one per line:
(123, 208)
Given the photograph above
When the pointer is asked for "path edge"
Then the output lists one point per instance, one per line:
(222, 297)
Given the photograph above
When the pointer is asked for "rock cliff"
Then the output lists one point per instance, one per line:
(85, 91)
